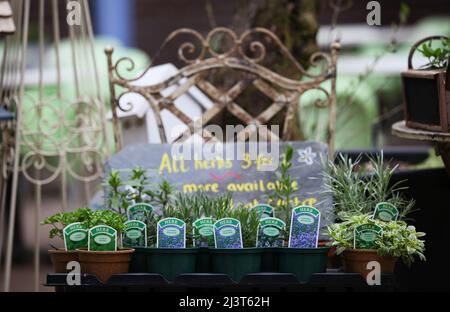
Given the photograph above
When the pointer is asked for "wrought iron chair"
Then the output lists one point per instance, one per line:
(244, 55)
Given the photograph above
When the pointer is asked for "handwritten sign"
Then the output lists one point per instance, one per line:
(102, 238)
(135, 234)
(139, 211)
(171, 233)
(365, 236)
(270, 233)
(385, 212)
(75, 236)
(203, 230)
(248, 176)
(305, 224)
(228, 234)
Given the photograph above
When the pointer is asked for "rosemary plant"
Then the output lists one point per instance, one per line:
(357, 191)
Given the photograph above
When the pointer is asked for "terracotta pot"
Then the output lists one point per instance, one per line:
(104, 264)
(60, 258)
(355, 261)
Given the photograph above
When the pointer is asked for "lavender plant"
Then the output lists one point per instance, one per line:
(249, 224)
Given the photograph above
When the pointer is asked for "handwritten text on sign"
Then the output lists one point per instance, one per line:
(246, 177)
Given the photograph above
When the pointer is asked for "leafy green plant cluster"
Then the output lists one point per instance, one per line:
(281, 197)
(106, 217)
(137, 189)
(60, 220)
(357, 190)
(87, 217)
(249, 224)
(438, 56)
(397, 240)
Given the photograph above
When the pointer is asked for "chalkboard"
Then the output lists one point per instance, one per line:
(249, 175)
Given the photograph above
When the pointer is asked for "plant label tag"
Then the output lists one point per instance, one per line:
(365, 236)
(305, 223)
(385, 212)
(228, 234)
(134, 234)
(171, 233)
(203, 231)
(75, 236)
(102, 238)
(270, 233)
(264, 211)
(139, 211)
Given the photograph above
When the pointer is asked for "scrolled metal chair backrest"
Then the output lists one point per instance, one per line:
(244, 55)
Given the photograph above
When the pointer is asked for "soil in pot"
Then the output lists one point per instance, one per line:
(167, 261)
(303, 262)
(60, 258)
(236, 262)
(356, 260)
(104, 264)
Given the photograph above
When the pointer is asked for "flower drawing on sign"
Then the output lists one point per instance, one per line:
(306, 156)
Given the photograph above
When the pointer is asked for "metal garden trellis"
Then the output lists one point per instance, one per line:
(57, 136)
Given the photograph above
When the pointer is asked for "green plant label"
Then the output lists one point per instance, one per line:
(385, 212)
(305, 223)
(75, 236)
(134, 234)
(228, 234)
(102, 238)
(203, 230)
(365, 236)
(270, 233)
(139, 211)
(264, 211)
(171, 233)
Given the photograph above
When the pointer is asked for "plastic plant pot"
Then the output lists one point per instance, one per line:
(104, 264)
(60, 258)
(355, 261)
(269, 260)
(236, 262)
(302, 262)
(138, 261)
(203, 261)
(169, 262)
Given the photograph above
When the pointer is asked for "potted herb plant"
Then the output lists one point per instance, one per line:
(300, 258)
(395, 240)
(59, 222)
(357, 188)
(172, 258)
(108, 257)
(236, 256)
(426, 89)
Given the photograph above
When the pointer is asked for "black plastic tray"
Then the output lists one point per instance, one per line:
(330, 281)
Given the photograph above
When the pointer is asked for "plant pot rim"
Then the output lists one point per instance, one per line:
(166, 250)
(304, 250)
(117, 252)
(237, 250)
(61, 251)
(361, 250)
